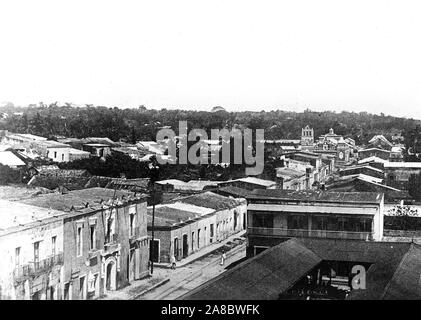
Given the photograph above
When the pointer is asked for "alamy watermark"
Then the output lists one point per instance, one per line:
(198, 153)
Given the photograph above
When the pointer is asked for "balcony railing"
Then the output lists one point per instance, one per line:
(354, 235)
(111, 243)
(37, 267)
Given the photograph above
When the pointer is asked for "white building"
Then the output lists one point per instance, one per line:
(31, 250)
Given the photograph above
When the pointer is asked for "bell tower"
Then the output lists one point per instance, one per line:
(307, 138)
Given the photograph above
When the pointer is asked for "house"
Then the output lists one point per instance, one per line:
(380, 147)
(365, 183)
(283, 214)
(320, 269)
(105, 242)
(189, 224)
(362, 169)
(31, 247)
(397, 174)
(230, 213)
(35, 146)
(250, 183)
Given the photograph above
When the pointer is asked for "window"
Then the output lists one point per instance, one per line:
(55, 154)
(79, 241)
(82, 288)
(262, 220)
(132, 225)
(198, 238)
(192, 240)
(62, 157)
(211, 233)
(36, 254)
(53, 245)
(17, 256)
(297, 222)
(92, 237)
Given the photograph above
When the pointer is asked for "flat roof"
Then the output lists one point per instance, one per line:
(411, 165)
(76, 198)
(317, 196)
(15, 216)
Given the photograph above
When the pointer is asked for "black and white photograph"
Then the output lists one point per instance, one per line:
(188, 152)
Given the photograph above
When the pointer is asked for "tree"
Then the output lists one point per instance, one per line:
(402, 217)
(9, 175)
(414, 187)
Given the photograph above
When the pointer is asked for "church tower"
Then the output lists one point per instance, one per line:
(307, 138)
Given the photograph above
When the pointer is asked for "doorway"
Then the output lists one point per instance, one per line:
(176, 248)
(132, 264)
(111, 274)
(154, 251)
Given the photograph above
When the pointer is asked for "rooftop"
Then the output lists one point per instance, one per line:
(15, 216)
(253, 180)
(409, 165)
(211, 200)
(8, 158)
(235, 191)
(317, 196)
(18, 192)
(289, 174)
(77, 198)
(393, 274)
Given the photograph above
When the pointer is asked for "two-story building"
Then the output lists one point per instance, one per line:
(105, 239)
(31, 249)
(276, 215)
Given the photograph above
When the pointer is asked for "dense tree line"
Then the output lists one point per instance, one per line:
(142, 123)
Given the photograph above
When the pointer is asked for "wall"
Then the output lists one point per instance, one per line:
(25, 240)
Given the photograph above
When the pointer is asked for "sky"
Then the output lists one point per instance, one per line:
(192, 54)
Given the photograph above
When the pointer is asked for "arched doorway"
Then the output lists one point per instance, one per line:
(110, 274)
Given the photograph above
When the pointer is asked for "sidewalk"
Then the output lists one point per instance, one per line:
(164, 276)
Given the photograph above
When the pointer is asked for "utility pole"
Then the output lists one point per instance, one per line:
(153, 167)
(153, 226)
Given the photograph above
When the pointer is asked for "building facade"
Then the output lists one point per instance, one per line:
(281, 214)
(105, 244)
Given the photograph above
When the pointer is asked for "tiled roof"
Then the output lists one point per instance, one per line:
(317, 196)
(211, 200)
(235, 191)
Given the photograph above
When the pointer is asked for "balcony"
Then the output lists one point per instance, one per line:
(38, 267)
(301, 233)
(111, 243)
